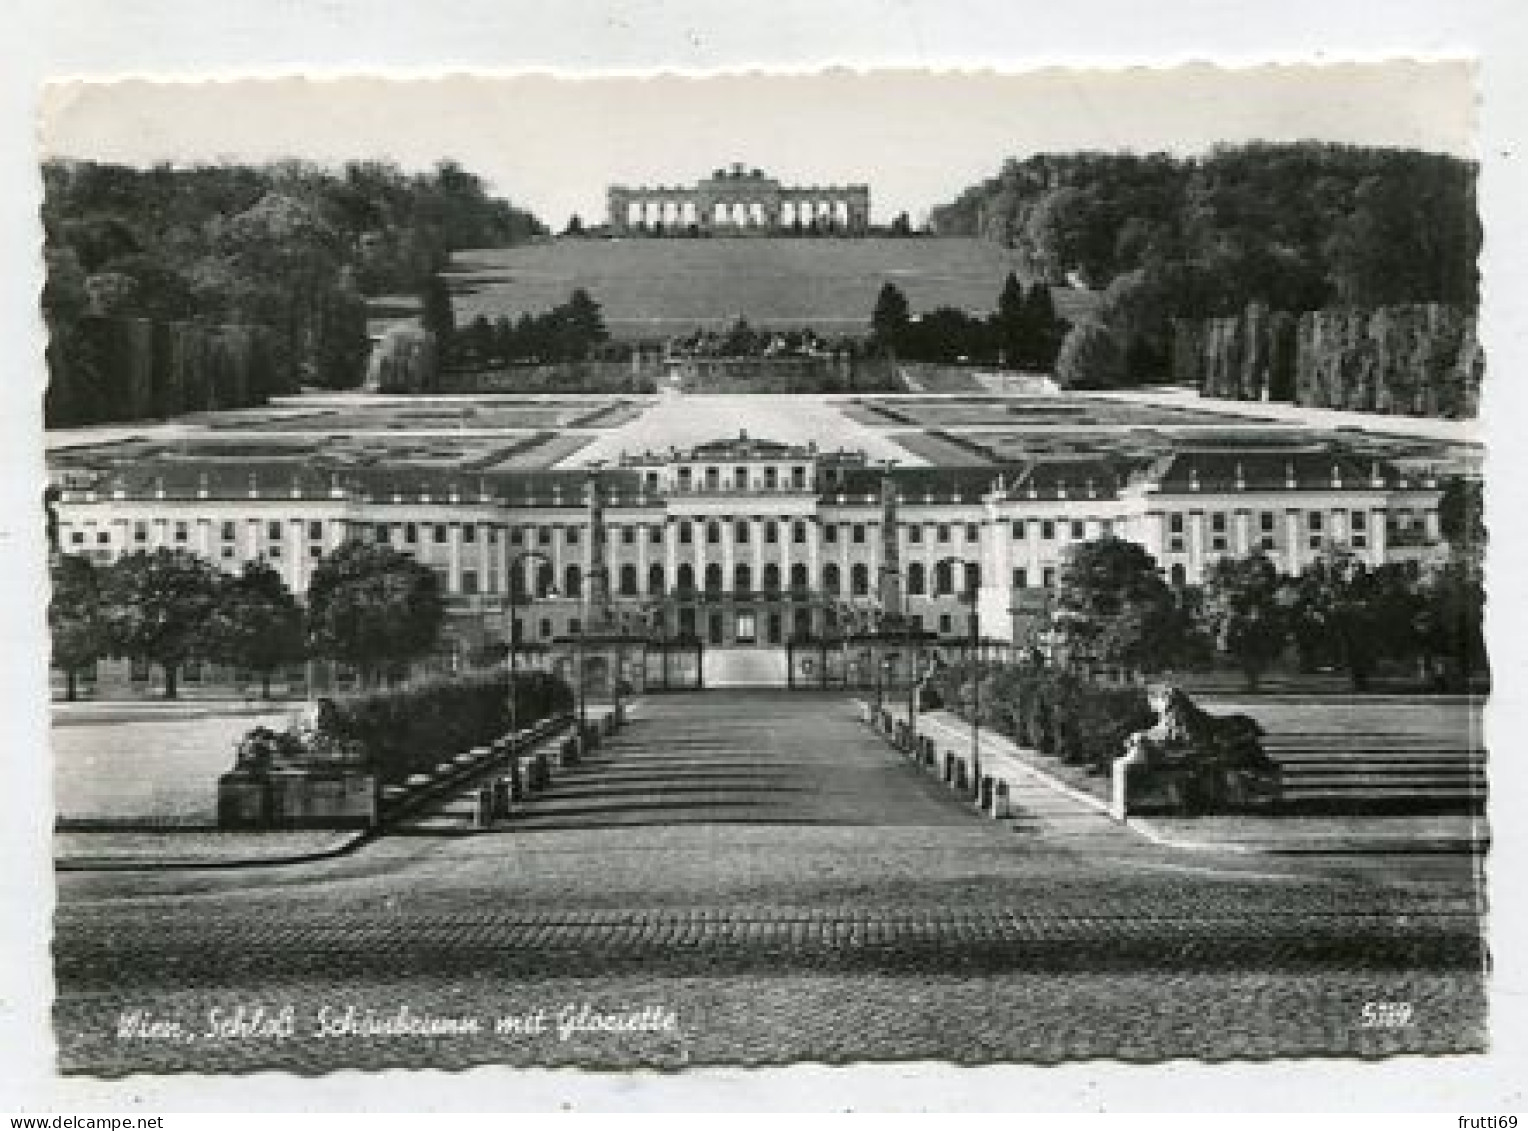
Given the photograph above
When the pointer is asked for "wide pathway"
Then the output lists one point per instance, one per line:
(788, 887)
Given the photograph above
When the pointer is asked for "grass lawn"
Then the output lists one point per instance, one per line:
(157, 769)
(654, 287)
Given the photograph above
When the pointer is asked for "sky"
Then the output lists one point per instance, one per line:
(916, 137)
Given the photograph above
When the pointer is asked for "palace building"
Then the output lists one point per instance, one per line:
(739, 201)
(746, 544)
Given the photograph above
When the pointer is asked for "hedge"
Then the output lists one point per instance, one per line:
(410, 729)
(1076, 720)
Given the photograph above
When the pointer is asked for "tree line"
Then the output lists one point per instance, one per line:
(290, 248)
(368, 607)
(571, 331)
(1114, 610)
(1295, 227)
(1023, 332)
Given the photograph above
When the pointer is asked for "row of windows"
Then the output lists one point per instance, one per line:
(771, 579)
(711, 479)
(1314, 523)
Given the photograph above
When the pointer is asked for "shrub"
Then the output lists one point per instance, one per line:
(409, 729)
(1057, 713)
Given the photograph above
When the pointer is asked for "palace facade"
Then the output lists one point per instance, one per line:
(739, 201)
(746, 543)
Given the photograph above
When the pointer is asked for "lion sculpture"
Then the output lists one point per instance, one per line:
(1186, 733)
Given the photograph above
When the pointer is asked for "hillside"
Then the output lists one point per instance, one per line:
(655, 288)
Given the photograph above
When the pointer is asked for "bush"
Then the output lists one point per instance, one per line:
(409, 729)
(1078, 721)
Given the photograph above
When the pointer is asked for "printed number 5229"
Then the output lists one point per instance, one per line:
(1386, 1014)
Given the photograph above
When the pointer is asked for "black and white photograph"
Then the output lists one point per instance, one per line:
(738, 570)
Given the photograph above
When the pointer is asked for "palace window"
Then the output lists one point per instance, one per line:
(182, 532)
(469, 582)
(830, 533)
(943, 532)
(1314, 521)
(77, 538)
(713, 578)
(973, 532)
(771, 578)
(686, 533)
(315, 532)
(469, 532)
(830, 579)
(546, 628)
(713, 479)
(228, 532)
(915, 580)
(655, 534)
(572, 581)
(799, 577)
(1218, 530)
(543, 535)
(628, 581)
(315, 552)
(628, 535)
(798, 533)
(771, 532)
(1018, 528)
(860, 579)
(1175, 540)
(742, 579)
(652, 480)
(1021, 578)
(915, 533)
(1048, 577)
(380, 532)
(859, 533)
(573, 535)
(1079, 529)
(685, 479)
(439, 533)
(741, 531)
(273, 531)
(973, 577)
(1048, 529)
(713, 533)
(798, 477)
(740, 479)
(141, 531)
(771, 478)
(655, 580)
(944, 623)
(684, 580)
(944, 580)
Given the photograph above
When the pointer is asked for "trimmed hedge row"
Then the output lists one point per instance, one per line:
(408, 730)
(1076, 720)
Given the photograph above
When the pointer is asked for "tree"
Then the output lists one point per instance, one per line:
(1451, 625)
(1355, 614)
(889, 320)
(257, 624)
(1009, 325)
(157, 607)
(1113, 608)
(373, 608)
(1243, 612)
(1041, 331)
(1091, 357)
(436, 314)
(74, 619)
(581, 326)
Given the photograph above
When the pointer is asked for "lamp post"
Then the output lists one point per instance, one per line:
(510, 635)
(976, 682)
